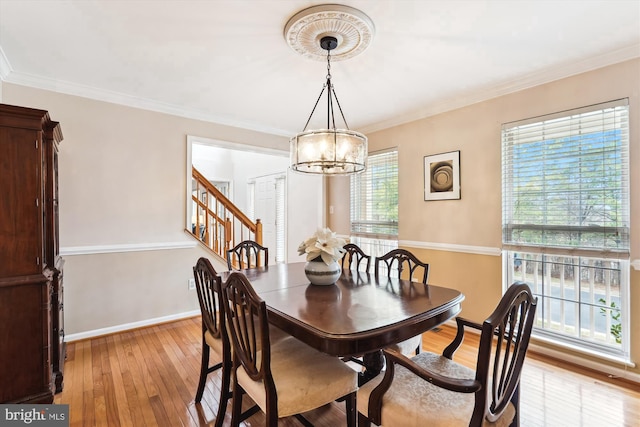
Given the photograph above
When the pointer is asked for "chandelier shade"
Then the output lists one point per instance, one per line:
(332, 150)
(329, 152)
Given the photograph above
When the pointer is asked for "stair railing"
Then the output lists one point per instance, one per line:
(216, 221)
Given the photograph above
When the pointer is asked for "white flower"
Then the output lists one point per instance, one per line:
(324, 244)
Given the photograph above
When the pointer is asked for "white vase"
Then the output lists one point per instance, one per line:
(320, 273)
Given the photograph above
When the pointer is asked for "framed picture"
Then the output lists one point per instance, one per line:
(442, 176)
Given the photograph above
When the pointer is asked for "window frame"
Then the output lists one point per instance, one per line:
(362, 197)
(548, 251)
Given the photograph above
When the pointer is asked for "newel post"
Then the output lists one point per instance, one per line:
(258, 232)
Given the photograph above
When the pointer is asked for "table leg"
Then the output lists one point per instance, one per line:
(373, 364)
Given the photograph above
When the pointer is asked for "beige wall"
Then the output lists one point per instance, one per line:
(122, 182)
(475, 220)
(122, 178)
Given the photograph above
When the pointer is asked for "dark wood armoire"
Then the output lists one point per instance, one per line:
(32, 345)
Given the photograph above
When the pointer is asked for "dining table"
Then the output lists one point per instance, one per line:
(359, 315)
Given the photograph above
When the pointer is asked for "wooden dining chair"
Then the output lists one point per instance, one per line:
(247, 254)
(354, 257)
(213, 335)
(286, 377)
(399, 260)
(430, 389)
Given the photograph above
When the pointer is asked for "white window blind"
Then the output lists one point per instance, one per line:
(374, 197)
(566, 182)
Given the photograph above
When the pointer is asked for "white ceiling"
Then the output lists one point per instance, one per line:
(227, 61)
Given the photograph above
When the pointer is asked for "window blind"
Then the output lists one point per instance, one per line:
(374, 197)
(565, 181)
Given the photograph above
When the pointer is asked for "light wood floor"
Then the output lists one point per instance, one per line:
(148, 377)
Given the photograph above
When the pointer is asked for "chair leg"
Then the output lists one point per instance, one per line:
(225, 393)
(204, 370)
(515, 400)
(350, 407)
(363, 421)
(236, 404)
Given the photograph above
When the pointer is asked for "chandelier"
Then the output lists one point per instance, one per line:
(312, 32)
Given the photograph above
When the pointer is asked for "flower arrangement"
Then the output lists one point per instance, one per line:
(324, 244)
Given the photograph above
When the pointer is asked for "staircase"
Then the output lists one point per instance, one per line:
(215, 221)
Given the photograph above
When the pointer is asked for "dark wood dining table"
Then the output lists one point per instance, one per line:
(359, 315)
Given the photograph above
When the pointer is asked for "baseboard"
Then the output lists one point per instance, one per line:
(128, 326)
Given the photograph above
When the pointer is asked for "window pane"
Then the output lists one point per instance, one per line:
(374, 197)
(565, 181)
(565, 188)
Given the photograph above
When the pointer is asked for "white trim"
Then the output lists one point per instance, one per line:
(518, 84)
(84, 91)
(635, 264)
(534, 79)
(611, 371)
(450, 247)
(129, 326)
(134, 247)
(191, 139)
(5, 66)
(559, 354)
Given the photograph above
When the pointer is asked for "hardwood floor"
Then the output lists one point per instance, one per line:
(148, 377)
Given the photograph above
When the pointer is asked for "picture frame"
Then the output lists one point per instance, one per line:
(442, 176)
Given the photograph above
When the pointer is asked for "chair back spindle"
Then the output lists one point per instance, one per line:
(355, 256)
(247, 254)
(401, 260)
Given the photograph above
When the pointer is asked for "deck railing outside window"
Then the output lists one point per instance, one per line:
(578, 297)
(565, 223)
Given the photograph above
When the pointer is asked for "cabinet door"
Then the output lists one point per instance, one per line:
(25, 370)
(21, 215)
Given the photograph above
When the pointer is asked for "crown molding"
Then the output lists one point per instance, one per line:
(84, 91)
(8, 75)
(515, 85)
(5, 66)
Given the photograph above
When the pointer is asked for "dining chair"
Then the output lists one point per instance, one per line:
(403, 260)
(213, 336)
(247, 254)
(354, 256)
(430, 389)
(286, 377)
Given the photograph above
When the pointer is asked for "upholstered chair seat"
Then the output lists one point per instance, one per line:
(214, 338)
(408, 347)
(305, 378)
(281, 374)
(438, 407)
(434, 390)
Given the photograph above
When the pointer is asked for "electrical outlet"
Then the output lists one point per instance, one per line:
(192, 284)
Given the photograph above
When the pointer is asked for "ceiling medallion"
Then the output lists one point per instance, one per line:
(352, 28)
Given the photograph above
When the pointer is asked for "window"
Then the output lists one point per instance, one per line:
(374, 204)
(565, 225)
